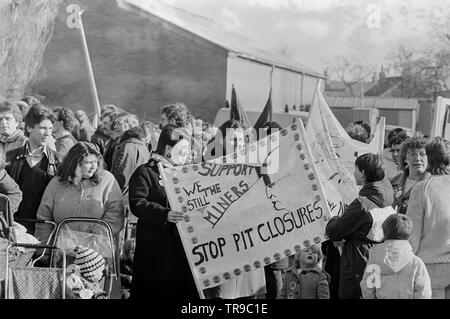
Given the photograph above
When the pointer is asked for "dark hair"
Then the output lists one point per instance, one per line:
(397, 136)
(357, 132)
(170, 135)
(7, 106)
(65, 115)
(74, 157)
(397, 226)
(23, 107)
(411, 143)
(372, 166)
(31, 100)
(438, 153)
(36, 114)
(177, 113)
(134, 132)
(365, 125)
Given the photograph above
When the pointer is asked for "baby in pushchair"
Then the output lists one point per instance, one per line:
(85, 275)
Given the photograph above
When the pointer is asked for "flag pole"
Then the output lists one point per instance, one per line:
(90, 72)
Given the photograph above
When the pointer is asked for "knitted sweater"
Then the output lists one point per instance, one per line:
(429, 210)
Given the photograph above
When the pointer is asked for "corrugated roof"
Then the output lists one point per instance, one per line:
(338, 88)
(209, 30)
(372, 102)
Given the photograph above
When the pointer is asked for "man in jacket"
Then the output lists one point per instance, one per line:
(11, 136)
(64, 123)
(356, 222)
(33, 165)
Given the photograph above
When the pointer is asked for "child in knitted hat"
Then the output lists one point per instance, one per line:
(86, 273)
(306, 280)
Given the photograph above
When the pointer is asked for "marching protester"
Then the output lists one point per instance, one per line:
(131, 152)
(355, 223)
(230, 139)
(34, 164)
(429, 210)
(168, 275)
(106, 132)
(413, 164)
(402, 275)
(357, 132)
(103, 133)
(392, 165)
(366, 126)
(64, 123)
(9, 187)
(123, 121)
(85, 128)
(10, 118)
(82, 188)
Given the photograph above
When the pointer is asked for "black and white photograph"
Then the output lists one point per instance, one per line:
(214, 156)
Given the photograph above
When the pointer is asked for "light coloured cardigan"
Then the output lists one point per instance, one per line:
(429, 210)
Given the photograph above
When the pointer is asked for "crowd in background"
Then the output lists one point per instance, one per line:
(55, 164)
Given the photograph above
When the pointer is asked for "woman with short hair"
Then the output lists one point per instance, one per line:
(429, 209)
(413, 164)
(356, 222)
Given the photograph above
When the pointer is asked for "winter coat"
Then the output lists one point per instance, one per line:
(308, 284)
(402, 275)
(64, 144)
(62, 200)
(31, 193)
(429, 210)
(353, 226)
(100, 138)
(86, 131)
(16, 140)
(128, 155)
(401, 198)
(10, 188)
(110, 147)
(160, 267)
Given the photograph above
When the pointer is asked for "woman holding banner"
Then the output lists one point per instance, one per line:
(160, 267)
(231, 138)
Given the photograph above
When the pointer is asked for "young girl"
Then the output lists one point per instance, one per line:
(306, 279)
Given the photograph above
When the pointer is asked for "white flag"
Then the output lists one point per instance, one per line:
(335, 152)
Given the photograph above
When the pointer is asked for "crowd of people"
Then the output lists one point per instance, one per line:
(55, 164)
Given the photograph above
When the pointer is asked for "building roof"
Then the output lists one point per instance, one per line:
(372, 102)
(338, 88)
(210, 31)
(384, 86)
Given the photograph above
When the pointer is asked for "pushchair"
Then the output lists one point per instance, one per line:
(93, 234)
(23, 278)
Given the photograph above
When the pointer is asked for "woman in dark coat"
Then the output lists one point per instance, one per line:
(160, 267)
(356, 222)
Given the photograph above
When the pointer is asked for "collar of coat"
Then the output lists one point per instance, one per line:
(48, 153)
(11, 138)
(315, 269)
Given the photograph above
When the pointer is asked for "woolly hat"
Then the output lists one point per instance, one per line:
(89, 261)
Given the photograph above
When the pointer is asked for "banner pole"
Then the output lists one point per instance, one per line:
(191, 264)
(90, 72)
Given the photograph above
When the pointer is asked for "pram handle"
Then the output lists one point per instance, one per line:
(37, 246)
(29, 220)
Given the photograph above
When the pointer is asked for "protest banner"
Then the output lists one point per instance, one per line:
(241, 217)
(440, 125)
(335, 152)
